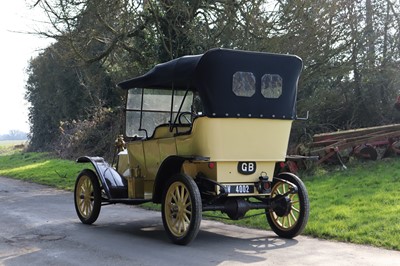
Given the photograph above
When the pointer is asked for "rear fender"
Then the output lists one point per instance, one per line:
(114, 185)
(281, 175)
(170, 166)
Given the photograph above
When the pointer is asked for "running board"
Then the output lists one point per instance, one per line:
(125, 201)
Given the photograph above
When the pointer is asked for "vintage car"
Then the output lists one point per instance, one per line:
(204, 133)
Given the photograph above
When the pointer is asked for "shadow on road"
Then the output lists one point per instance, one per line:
(232, 243)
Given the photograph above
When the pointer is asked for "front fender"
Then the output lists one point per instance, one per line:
(114, 185)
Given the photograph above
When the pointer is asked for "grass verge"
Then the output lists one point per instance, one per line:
(359, 205)
(40, 168)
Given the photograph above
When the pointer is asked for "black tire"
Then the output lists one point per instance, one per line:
(87, 196)
(181, 209)
(290, 222)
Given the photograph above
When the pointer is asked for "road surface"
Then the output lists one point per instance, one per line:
(39, 226)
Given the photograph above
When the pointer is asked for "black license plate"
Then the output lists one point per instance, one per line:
(239, 189)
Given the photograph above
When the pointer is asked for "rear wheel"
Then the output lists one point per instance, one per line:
(87, 197)
(289, 214)
(181, 209)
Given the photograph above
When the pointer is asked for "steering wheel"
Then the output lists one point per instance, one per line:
(185, 118)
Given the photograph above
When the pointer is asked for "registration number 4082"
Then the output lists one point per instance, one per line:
(239, 189)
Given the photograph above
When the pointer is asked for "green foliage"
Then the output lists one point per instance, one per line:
(60, 91)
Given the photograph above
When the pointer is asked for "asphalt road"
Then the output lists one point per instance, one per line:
(39, 226)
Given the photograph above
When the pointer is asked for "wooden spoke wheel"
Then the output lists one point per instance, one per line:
(289, 215)
(87, 197)
(181, 209)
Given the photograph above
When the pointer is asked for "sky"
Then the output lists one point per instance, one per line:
(16, 49)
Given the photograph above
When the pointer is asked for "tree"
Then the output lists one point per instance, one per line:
(350, 49)
(345, 82)
(59, 91)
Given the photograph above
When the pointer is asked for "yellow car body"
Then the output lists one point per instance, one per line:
(204, 133)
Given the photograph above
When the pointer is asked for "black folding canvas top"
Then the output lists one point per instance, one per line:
(213, 75)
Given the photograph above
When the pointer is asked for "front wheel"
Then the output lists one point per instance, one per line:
(87, 195)
(181, 209)
(289, 214)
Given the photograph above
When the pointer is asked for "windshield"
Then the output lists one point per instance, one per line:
(156, 109)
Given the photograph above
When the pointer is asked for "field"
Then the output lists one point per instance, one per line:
(9, 146)
(359, 205)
